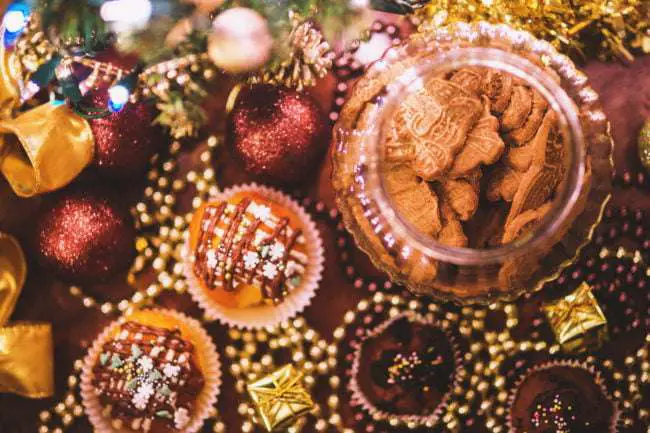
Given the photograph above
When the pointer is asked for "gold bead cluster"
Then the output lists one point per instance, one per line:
(65, 412)
(254, 354)
(159, 210)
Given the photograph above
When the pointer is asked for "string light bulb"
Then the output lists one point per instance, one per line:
(120, 93)
(118, 97)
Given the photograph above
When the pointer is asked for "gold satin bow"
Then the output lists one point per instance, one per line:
(577, 319)
(42, 149)
(26, 353)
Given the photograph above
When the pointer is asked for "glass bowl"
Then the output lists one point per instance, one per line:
(398, 160)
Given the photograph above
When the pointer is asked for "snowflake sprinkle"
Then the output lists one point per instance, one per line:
(171, 370)
(270, 271)
(213, 261)
(146, 389)
(181, 418)
(140, 401)
(277, 251)
(145, 363)
(261, 212)
(251, 260)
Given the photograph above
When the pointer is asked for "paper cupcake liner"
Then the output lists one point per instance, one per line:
(360, 400)
(574, 363)
(265, 315)
(211, 372)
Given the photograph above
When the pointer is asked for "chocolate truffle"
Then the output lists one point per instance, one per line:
(562, 399)
(406, 368)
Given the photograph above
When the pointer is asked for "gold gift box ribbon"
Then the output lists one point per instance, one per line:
(41, 149)
(280, 398)
(574, 316)
(26, 352)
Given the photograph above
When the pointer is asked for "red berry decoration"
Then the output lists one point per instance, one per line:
(84, 237)
(124, 141)
(279, 135)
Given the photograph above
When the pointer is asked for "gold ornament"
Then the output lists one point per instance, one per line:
(614, 25)
(309, 59)
(26, 353)
(577, 319)
(280, 398)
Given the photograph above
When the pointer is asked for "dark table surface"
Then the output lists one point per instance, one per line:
(625, 93)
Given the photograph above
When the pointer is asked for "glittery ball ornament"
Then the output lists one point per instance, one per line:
(279, 135)
(85, 237)
(124, 141)
(240, 40)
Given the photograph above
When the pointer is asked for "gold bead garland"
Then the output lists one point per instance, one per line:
(158, 209)
(63, 413)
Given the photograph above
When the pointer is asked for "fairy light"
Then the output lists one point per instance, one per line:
(118, 98)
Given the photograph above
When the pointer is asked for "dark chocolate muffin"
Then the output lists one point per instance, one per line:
(562, 398)
(407, 368)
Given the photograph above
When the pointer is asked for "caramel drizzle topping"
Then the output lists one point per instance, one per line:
(232, 250)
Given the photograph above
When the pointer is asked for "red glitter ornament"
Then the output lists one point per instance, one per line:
(85, 237)
(278, 134)
(124, 141)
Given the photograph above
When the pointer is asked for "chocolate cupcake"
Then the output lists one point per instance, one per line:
(405, 369)
(562, 397)
(254, 257)
(155, 371)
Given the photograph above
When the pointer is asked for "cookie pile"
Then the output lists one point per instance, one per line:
(474, 158)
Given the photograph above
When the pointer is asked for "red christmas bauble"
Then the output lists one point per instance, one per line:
(278, 134)
(124, 141)
(85, 237)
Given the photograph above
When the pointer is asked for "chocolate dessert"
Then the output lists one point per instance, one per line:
(407, 368)
(147, 379)
(562, 399)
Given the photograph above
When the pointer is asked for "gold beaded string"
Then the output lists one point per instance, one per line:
(637, 365)
(162, 250)
(254, 354)
(63, 413)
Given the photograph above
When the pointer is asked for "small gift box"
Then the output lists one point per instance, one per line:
(577, 320)
(280, 398)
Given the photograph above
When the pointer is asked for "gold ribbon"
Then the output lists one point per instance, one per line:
(26, 352)
(576, 316)
(42, 149)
